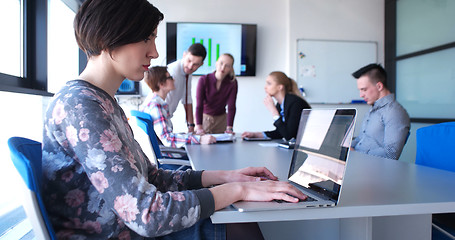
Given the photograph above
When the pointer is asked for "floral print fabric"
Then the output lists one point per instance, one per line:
(98, 184)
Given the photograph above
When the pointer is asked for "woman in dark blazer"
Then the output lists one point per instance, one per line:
(289, 105)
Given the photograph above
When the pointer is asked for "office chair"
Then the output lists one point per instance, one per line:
(166, 158)
(26, 155)
(436, 149)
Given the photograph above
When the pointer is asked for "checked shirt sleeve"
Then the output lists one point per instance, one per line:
(164, 130)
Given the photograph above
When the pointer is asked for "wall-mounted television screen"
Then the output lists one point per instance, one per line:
(237, 39)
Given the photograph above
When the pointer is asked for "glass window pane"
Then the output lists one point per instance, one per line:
(425, 85)
(62, 49)
(11, 46)
(422, 24)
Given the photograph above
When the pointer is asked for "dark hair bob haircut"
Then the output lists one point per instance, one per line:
(108, 24)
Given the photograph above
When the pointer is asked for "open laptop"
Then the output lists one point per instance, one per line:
(319, 159)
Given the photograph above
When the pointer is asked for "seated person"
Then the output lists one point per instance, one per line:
(161, 83)
(288, 109)
(97, 182)
(386, 126)
(215, 91)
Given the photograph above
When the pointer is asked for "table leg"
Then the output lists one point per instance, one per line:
(409, 227)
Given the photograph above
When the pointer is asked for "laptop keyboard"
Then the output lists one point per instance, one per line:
(308, 199)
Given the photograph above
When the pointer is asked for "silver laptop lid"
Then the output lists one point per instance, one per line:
(321, 150)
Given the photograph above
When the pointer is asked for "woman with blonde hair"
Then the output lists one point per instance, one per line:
(289, 105)
(215, 91)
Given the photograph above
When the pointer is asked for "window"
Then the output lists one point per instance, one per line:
(32, 28)
(11, 47)
(426, 86)
(62, 49)
(419, 57)
(416, 21)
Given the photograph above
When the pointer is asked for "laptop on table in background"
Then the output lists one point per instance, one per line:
(257, 139)
(318, 161)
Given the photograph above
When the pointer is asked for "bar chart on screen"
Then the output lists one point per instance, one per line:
(209, 50)
(216, 38)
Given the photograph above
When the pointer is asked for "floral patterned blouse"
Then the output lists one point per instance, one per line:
(99, 184)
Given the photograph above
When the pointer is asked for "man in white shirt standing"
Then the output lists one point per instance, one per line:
(181, 70)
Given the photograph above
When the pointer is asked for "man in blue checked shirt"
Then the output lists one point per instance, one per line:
(385, 128)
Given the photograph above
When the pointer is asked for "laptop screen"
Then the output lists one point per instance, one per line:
(321, 149)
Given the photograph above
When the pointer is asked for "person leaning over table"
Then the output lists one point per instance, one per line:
(214, 92)
(182, 70)
(289, 105)
(97, 181)
(385, 127)
(161, 83)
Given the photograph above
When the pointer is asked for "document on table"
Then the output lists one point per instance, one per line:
(269, 144)
(224, 137)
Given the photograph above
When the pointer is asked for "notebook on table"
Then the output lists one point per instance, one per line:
(318, 161)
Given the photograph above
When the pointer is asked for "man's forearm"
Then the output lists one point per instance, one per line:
(189, 113)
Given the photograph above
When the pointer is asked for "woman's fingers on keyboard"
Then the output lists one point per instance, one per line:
(287, 192)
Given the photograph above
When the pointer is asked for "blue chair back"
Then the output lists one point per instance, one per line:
(27, 158)
(436, 146)
(145, 122)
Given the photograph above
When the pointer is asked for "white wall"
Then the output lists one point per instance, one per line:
(336, 20)
(272, 53)
(280, 24)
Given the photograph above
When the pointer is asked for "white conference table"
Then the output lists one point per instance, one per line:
(380, 198)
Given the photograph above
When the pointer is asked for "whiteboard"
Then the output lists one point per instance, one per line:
(324, 68)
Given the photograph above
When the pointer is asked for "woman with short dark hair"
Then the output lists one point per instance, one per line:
(97, 181)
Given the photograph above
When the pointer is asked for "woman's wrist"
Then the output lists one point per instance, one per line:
(226, 194)
(217, 177)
